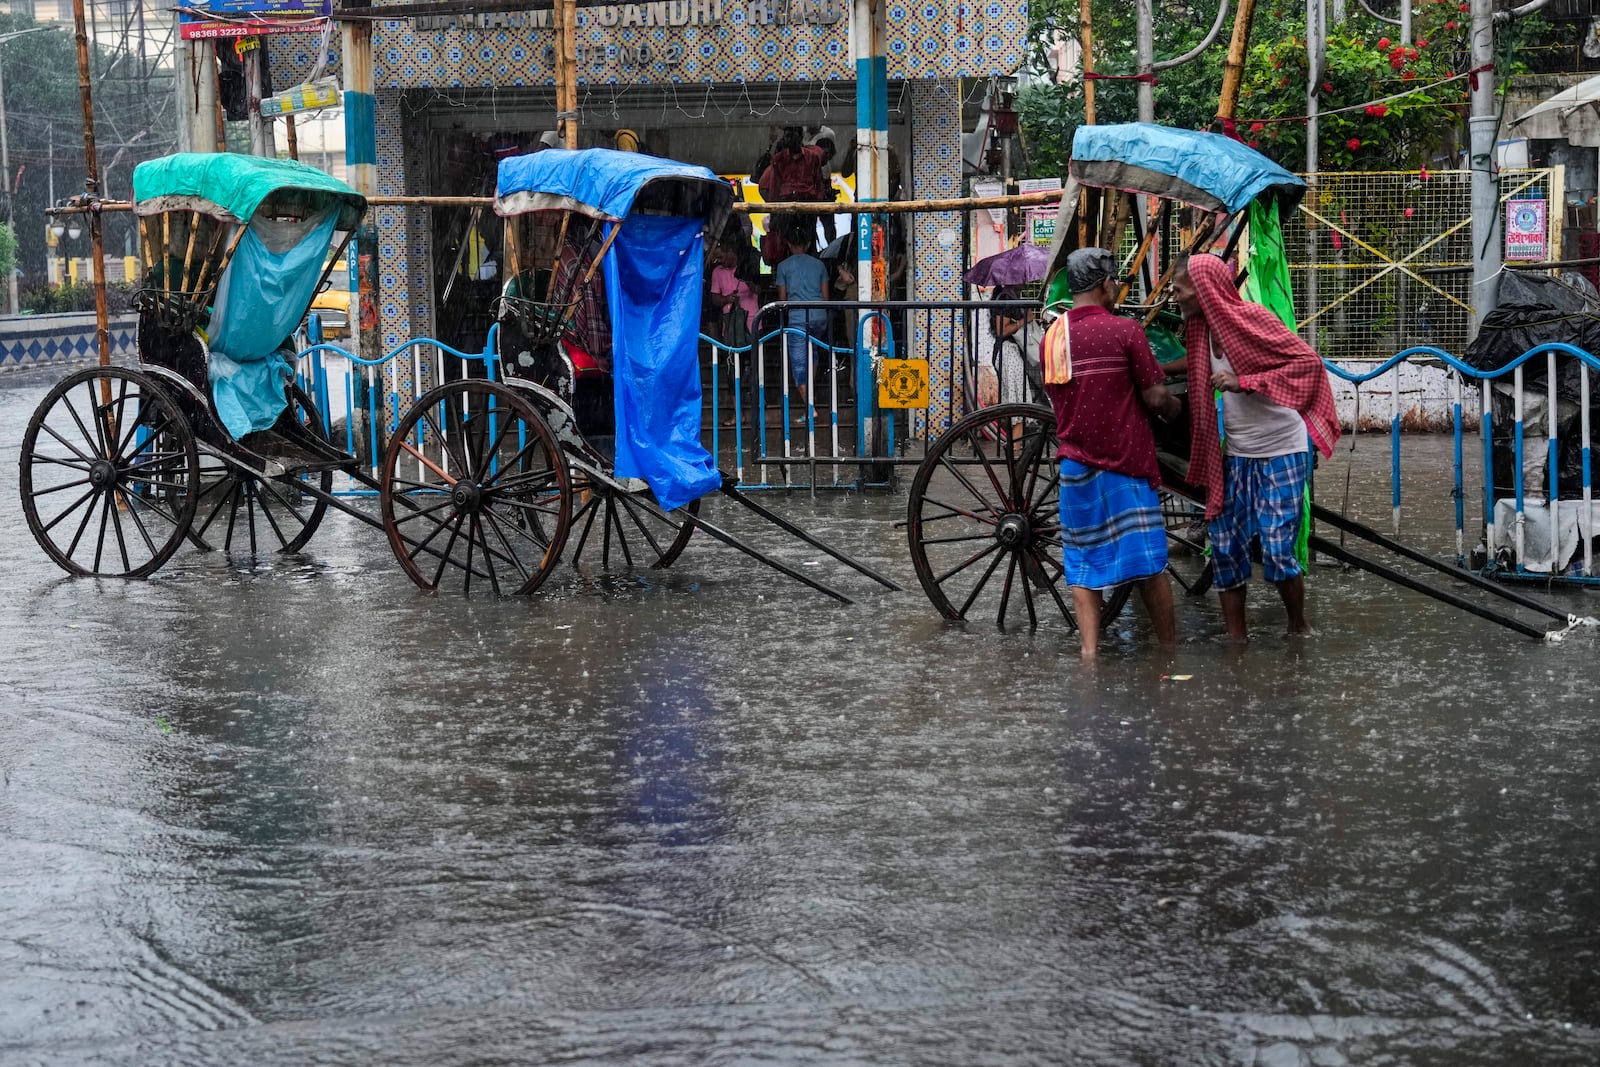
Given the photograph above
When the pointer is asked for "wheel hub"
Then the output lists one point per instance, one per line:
(1013, 530)
(466, 496)
(102, 472)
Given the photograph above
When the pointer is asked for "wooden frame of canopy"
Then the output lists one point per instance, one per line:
(186, 244)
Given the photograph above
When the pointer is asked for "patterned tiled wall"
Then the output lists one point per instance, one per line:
(46, 340)
(936, 265)
(707, 41)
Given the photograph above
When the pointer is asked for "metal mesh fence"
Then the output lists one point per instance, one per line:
(1381, 260)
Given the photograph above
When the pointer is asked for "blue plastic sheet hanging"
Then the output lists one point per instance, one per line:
(260, 300)
(653, 281)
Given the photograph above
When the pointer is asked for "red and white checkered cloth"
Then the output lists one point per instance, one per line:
(1268, 359)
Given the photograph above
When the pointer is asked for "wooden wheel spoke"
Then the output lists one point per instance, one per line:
(988, 470)
(70, 509)
(228, 483)
(59, 462)
(967, 483)
(983, 582)
(68, 445)
(115, 509)
(1005, 592)
(524, 478)
(58, 488)
(444, 557)
(439, 527)
(133, 513)
(954, 512)
(422, 513)
(969, 561)
(88, 513)
(649, 538)
(106, 504)
(954, 540)
(511, 553)
(590, 508)
(488, 556)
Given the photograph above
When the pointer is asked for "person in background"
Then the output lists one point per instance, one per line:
(801, 277)
(733, 298)
(1103, 396)
(823, 140)
(1016, 358)
(1274, 390)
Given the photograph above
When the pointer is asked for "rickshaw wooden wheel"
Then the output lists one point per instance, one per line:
(614, 523)
(475, 491)
(246, 513)
(983, 520)
(109, 474)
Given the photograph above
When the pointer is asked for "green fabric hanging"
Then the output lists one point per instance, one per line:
(1268, 282)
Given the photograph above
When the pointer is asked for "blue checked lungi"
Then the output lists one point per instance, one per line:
(1111, 528)
(1265, 497)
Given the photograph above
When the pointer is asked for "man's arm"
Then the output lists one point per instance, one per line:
(1161, 403)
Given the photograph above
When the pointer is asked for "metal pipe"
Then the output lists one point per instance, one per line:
(1483, 126)
(1194, 53)
(1315, 36)
(1145, 48)
(1588, 511)
(1332, 549)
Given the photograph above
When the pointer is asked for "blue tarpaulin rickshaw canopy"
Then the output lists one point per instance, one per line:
(1207, 170)
(597, 182)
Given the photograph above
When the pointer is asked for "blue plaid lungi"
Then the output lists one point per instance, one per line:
(1111, 528)
(1265, 497)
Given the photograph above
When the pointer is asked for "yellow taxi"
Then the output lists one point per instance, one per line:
(332, 302)
(745, 189)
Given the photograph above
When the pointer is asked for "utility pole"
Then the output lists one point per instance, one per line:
(869, 47)
(1405, 21)
(1146, 53)
(1316, 46)
(1483, 127)
(12, 302)
(260, 129)
(5, 166)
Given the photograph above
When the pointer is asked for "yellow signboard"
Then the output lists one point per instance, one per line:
(904, 384)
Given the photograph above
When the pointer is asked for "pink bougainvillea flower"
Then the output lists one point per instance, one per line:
(1423, 174)
(1410, 211)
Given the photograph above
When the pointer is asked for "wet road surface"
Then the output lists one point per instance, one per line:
(299, 812)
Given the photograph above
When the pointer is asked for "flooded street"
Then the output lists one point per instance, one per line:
(300, 812)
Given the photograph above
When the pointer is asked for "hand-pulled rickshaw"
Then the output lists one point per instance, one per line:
(983, 521)
(482, 479)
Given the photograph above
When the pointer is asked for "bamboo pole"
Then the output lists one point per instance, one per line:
(884, 207)
(1233, 67)
(91, 186)
(1086, 28)
(569, 34)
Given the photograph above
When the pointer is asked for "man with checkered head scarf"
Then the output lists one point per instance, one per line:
(1273, 394)
(1104, 384)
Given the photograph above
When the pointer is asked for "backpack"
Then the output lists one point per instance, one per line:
(793, 177)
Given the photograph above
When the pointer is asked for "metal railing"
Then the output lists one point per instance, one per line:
(1506, 518)
(755, 424)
